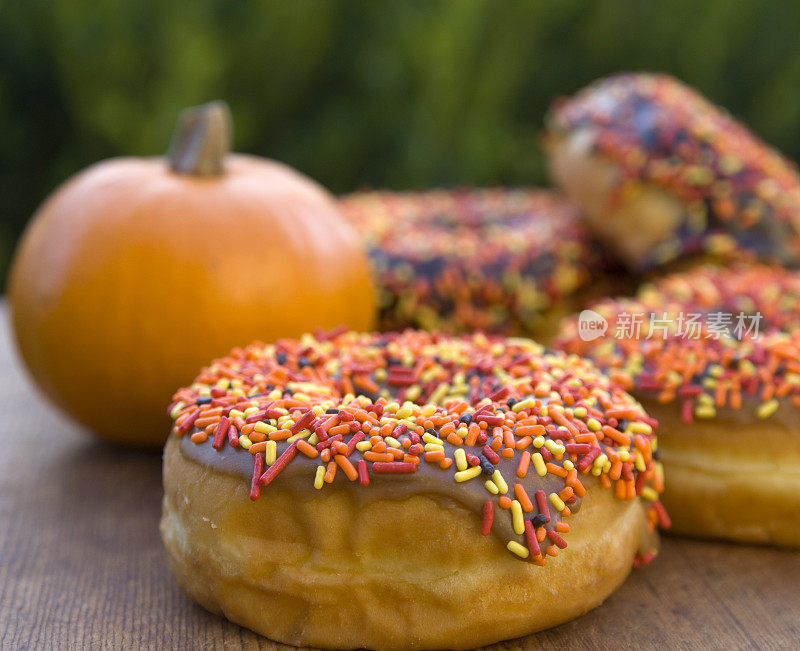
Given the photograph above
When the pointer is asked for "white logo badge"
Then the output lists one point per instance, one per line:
(591, 325)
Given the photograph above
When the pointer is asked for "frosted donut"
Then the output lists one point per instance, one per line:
(406, 490)
(506, 261)
(726, 394)
(662, 173)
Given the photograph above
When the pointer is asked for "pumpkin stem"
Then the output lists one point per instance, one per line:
(201, 140)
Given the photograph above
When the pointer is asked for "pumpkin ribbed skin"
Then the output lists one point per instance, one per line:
(130, 277)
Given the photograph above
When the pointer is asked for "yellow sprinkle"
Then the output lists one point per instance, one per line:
(491, 487)
(276, 393)
(465, 475)
(430, 438)
(393, 442)
(429, 410)
(271, 452)
(319, 477)
(637, 427)
(556, 449)
(659, 471)
(461, 459)
(766, 409)
(523, 404)
(363, 446)
(568, 465)
(404, 412)
(264, 428)
(705, 411)
(413, 392)
(580, 412)
(649, 493)
(176, 410)
(303, 433)
(638, 461)
(516, 518)
(439, 393)
(236, 413)
(250, 411)
(514, 547)
(538, 441)
(593, 424)
(498, 479)
(539, 464)
(556, 501)
(245, 442)
(431, 447)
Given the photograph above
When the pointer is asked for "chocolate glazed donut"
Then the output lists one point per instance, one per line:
(727, 396)
(406, 490)
(661, 173)
(503, 260)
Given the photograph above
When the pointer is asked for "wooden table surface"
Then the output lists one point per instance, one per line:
(81, 562)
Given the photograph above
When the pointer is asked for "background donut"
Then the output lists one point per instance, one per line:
(662, 173)
(499, 260)
(726, 395)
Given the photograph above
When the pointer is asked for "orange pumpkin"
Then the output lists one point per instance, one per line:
(138, 271)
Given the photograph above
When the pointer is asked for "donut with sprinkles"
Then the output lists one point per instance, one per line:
(351, 490)
(714, 355)
(498, 260)
(662, 173)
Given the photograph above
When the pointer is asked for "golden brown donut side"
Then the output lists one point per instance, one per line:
(632, 226)
(724, 478)
(323, 570)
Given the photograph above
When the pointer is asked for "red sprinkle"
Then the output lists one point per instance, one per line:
(541, 504)
(303, 422)
(488, 517)
(530, 538)
(255, 489)
(558, 540)
(281, 462)
(363, 474)
(491, 455)
(220, 432)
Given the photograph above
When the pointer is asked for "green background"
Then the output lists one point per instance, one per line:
(382, 94)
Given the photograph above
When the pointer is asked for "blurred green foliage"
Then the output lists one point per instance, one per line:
(359, 92)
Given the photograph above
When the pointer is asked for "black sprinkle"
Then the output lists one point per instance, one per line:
(466, 419)
(280, 358)
(486, 466)
(511, 402)
(539, 519)
(332, 410)
(303, 361)
(203, 401)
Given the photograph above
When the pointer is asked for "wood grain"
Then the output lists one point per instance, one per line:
(82, 566)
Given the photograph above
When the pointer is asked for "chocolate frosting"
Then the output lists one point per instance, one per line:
(429, 480)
